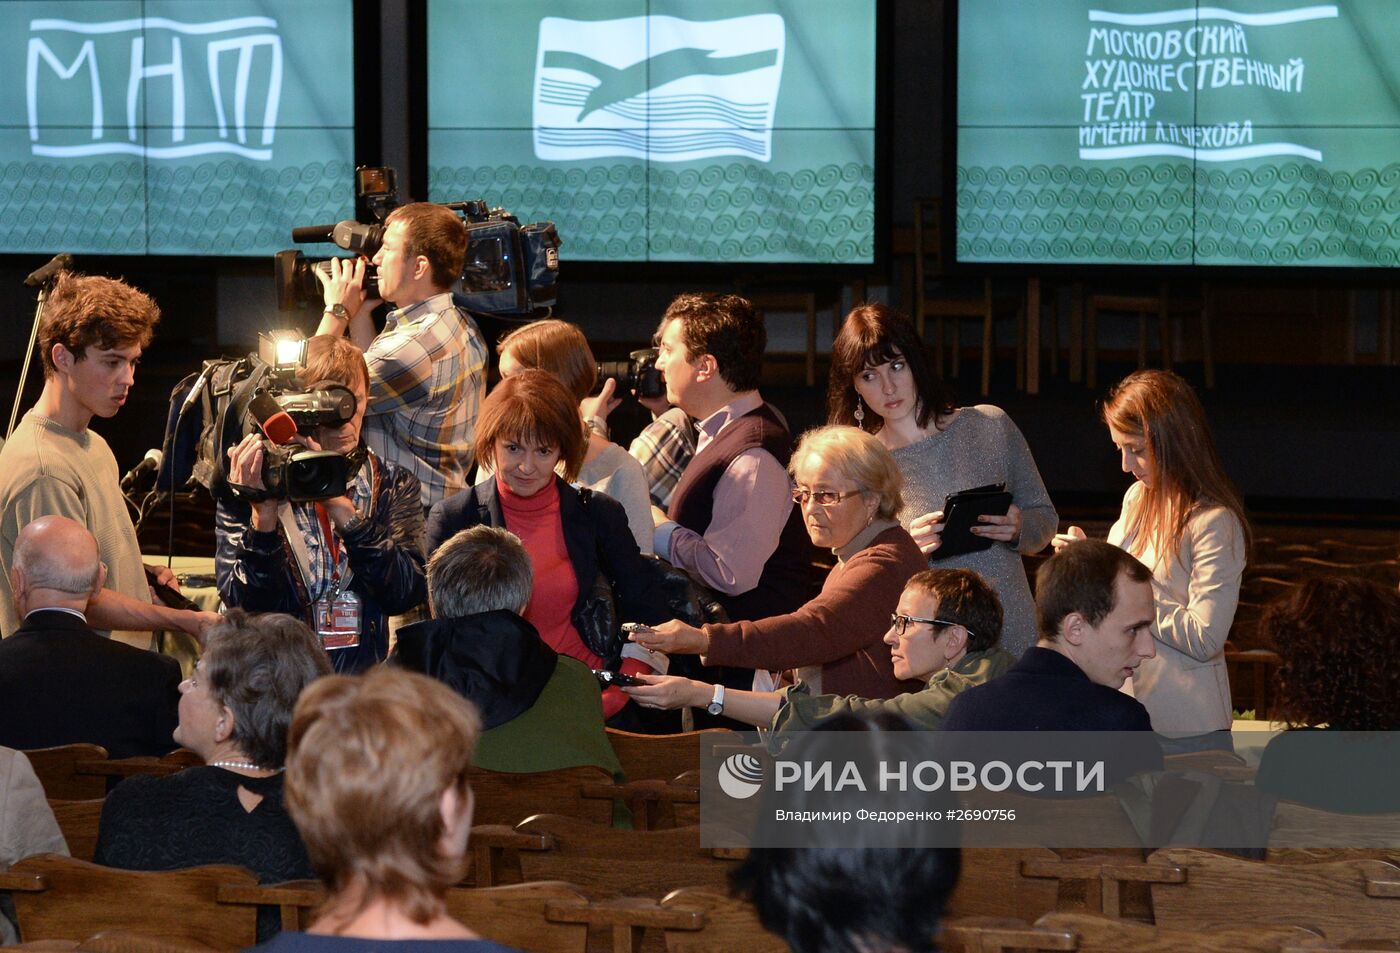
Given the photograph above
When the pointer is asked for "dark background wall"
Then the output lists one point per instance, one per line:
(1300, 428)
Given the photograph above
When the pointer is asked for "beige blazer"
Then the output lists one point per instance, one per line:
(1185, 688)
(27, 825)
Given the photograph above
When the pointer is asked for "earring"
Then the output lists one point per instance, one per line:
(860, 412)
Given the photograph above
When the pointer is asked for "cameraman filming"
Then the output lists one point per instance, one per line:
(427, 368)
(342, 565)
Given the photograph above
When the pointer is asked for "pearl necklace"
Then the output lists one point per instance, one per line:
(246, 765)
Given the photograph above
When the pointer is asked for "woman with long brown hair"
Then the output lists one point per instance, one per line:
(883, 382)
(1183, 518)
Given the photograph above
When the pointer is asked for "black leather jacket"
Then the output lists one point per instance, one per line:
(598, 540)
(257, 571)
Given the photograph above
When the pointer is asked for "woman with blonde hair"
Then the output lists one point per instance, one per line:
(377, 785)
(1185, 521)
(561, 349)
(848, 487)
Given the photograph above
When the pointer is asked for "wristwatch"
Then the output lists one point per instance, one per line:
(716, 705)
(598, 425)
(338, 310)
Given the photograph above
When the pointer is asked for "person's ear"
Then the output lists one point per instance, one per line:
(456, 805)
(957, 641)
(1073, 628)
(19, 586)
(421, 267)
(62, 357)
(101, 580)
(706, 367)
(223, 728)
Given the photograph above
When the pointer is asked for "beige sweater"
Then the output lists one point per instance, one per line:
(1185, 687)
(46, 470)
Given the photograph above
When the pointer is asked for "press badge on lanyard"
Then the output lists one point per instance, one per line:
(337, 614)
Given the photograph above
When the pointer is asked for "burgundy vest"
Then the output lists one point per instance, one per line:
(786, 582)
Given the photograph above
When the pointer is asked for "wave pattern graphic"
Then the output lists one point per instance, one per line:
(1274, 213)
(1193, 14)
(654, 142)
(673, 110)
(731, 211)
(123, 206)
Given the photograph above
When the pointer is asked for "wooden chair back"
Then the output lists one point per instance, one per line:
(1384, 571)
(57, 769)
(504, 798)
(1344, 901)
(1302, 833)
(1006, 882)
(172, 763)
(661, 757)
(614, 862)
(78, 820)
(1087, 933)
(729, 924)
(123, 941)
(59, 898)
(295, 900)
(518, 915)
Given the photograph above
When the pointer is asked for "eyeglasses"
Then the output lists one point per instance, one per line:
(800, 496)
(900, 623)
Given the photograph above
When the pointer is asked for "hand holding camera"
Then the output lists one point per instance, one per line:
(343, 286)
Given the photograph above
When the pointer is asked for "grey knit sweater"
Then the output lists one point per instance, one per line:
(983, 446)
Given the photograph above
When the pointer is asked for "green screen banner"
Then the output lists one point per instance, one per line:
(662, 130)
(1259, 132)
(173, 127)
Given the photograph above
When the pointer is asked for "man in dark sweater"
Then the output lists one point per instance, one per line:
(731, 521)
(60, 682)
(1095, 613)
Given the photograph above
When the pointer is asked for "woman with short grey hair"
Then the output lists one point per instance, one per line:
(848, 488)
(235, 709)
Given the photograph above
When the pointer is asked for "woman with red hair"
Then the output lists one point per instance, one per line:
(1185, 521)
(529, 425)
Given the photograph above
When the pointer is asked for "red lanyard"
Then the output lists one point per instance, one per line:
(332, 541)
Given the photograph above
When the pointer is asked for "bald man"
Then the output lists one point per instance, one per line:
(62, 683)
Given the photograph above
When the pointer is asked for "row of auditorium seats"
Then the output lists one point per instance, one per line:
(1342, 896)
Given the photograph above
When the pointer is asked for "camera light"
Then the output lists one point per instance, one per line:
(283, 349)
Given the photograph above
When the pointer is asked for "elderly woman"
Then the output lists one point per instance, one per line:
(1339, 640)
(849, 489)
(234, 713)
(528, 426)
(561, 349)
(377, 784)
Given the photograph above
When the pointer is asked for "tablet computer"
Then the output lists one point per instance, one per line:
(960, 513)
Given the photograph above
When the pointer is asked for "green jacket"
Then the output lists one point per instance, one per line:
(801, 710)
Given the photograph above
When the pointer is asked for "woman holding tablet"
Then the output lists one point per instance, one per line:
(882, 382)
(1185, 521)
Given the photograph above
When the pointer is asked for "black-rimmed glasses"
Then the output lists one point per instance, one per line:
(900, 623)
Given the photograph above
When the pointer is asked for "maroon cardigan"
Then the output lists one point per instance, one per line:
(841, 629)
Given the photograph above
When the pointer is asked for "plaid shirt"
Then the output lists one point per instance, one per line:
(427, 375)
(663, 449)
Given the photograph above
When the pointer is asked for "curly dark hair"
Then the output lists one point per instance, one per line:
(94, 311)
(728, 329)
(1339, 638)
